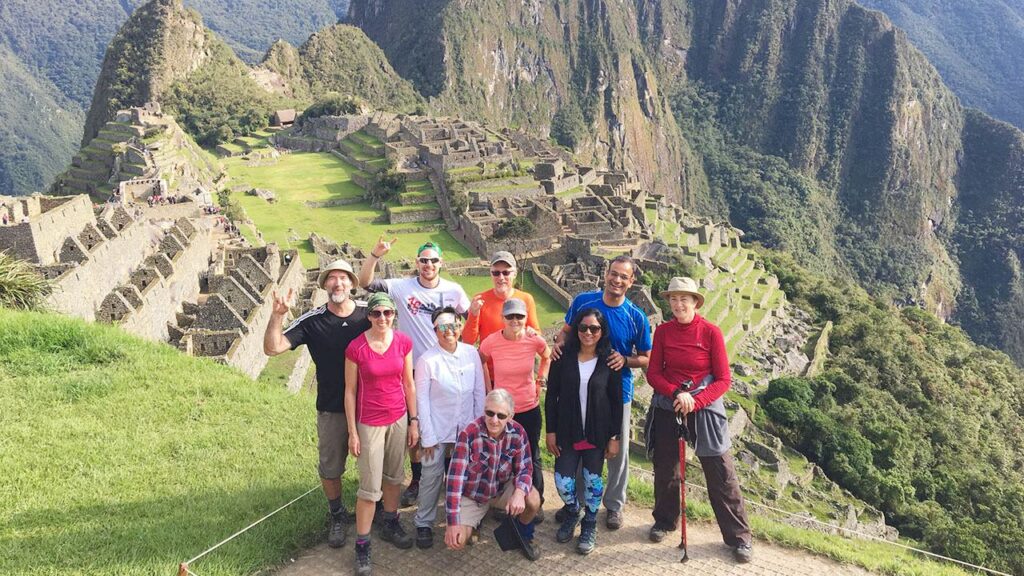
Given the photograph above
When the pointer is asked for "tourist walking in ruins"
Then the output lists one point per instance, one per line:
(381, 398)
(326, 331)
(583, 409)
(491, 467)
(512, 354)
(630, 334)
(450, 394)
(485, 308)
(417, 298)
(689, 371)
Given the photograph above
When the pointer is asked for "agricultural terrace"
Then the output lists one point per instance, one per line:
(298, 178)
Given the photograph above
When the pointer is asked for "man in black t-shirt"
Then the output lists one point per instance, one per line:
(326, 331)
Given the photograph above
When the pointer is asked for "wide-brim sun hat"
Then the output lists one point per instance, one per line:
(342, 265)
(684, 285)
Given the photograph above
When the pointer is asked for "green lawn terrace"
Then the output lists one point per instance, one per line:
(363, 151)
(317, 192)
(245, 144)
(740, 296)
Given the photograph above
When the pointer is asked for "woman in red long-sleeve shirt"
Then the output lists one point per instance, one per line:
(689, 371)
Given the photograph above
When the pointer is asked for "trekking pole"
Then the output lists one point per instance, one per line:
(680, 423)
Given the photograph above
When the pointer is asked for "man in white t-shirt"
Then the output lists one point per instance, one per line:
(417, 298)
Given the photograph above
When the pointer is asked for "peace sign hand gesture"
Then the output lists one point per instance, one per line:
(383, 246)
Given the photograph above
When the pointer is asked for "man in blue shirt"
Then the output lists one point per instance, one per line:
(631, 341)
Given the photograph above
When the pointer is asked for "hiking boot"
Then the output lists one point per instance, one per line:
(531, 550)
(424, 537)
(568, 527)
(614, 520)
(588, 537)
(657, 533)
(363, 566)
(743, 553)
(411, 494)
(337, 533)
(392, 531)
(560, 515)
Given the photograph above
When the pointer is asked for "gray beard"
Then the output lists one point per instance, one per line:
(338, 298)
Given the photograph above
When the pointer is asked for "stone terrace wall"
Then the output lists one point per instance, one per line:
(81, 290)
(163, 298)
(51, 220)
(247, 353)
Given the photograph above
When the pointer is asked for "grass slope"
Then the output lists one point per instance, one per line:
(126, 457)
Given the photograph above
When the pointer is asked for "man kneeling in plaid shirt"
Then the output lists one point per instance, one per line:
(491, 467)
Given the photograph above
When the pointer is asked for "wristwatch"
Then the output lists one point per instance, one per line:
(413, 418)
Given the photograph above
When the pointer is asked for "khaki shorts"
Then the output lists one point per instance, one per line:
(472, 512)
(381, 457)
(332, 442)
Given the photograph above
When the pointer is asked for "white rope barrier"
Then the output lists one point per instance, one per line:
(183, 568)
(813, 520)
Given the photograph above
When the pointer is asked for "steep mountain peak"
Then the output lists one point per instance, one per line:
(161, 43)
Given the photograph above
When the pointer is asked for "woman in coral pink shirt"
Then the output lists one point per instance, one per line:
(512, 353)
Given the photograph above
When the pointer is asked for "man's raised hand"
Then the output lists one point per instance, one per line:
(383, 246)
(281, 305)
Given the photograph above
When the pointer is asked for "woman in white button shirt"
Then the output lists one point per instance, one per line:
(449, 394)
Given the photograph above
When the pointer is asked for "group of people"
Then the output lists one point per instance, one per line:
(458, 388)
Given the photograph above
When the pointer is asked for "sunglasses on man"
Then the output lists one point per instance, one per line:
(449, 327)
(429, 260)
(379, 313)
(515, 316)
(505, 273)
(498, 415)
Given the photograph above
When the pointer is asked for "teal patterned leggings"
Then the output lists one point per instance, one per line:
(588, 463)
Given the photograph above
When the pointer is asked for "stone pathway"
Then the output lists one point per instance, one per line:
(625, 552)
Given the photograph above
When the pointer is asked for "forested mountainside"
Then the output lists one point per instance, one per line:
(977, 46)
(59, 48)
(40, 127)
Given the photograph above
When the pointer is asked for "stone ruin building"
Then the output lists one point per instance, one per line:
(108, 264)
(226, 322)
(138, 155)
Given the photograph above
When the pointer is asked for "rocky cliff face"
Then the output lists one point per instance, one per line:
(160, 44)
(521, 63)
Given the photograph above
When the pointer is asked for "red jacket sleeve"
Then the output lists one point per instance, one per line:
(655, 367)
(719, 368)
